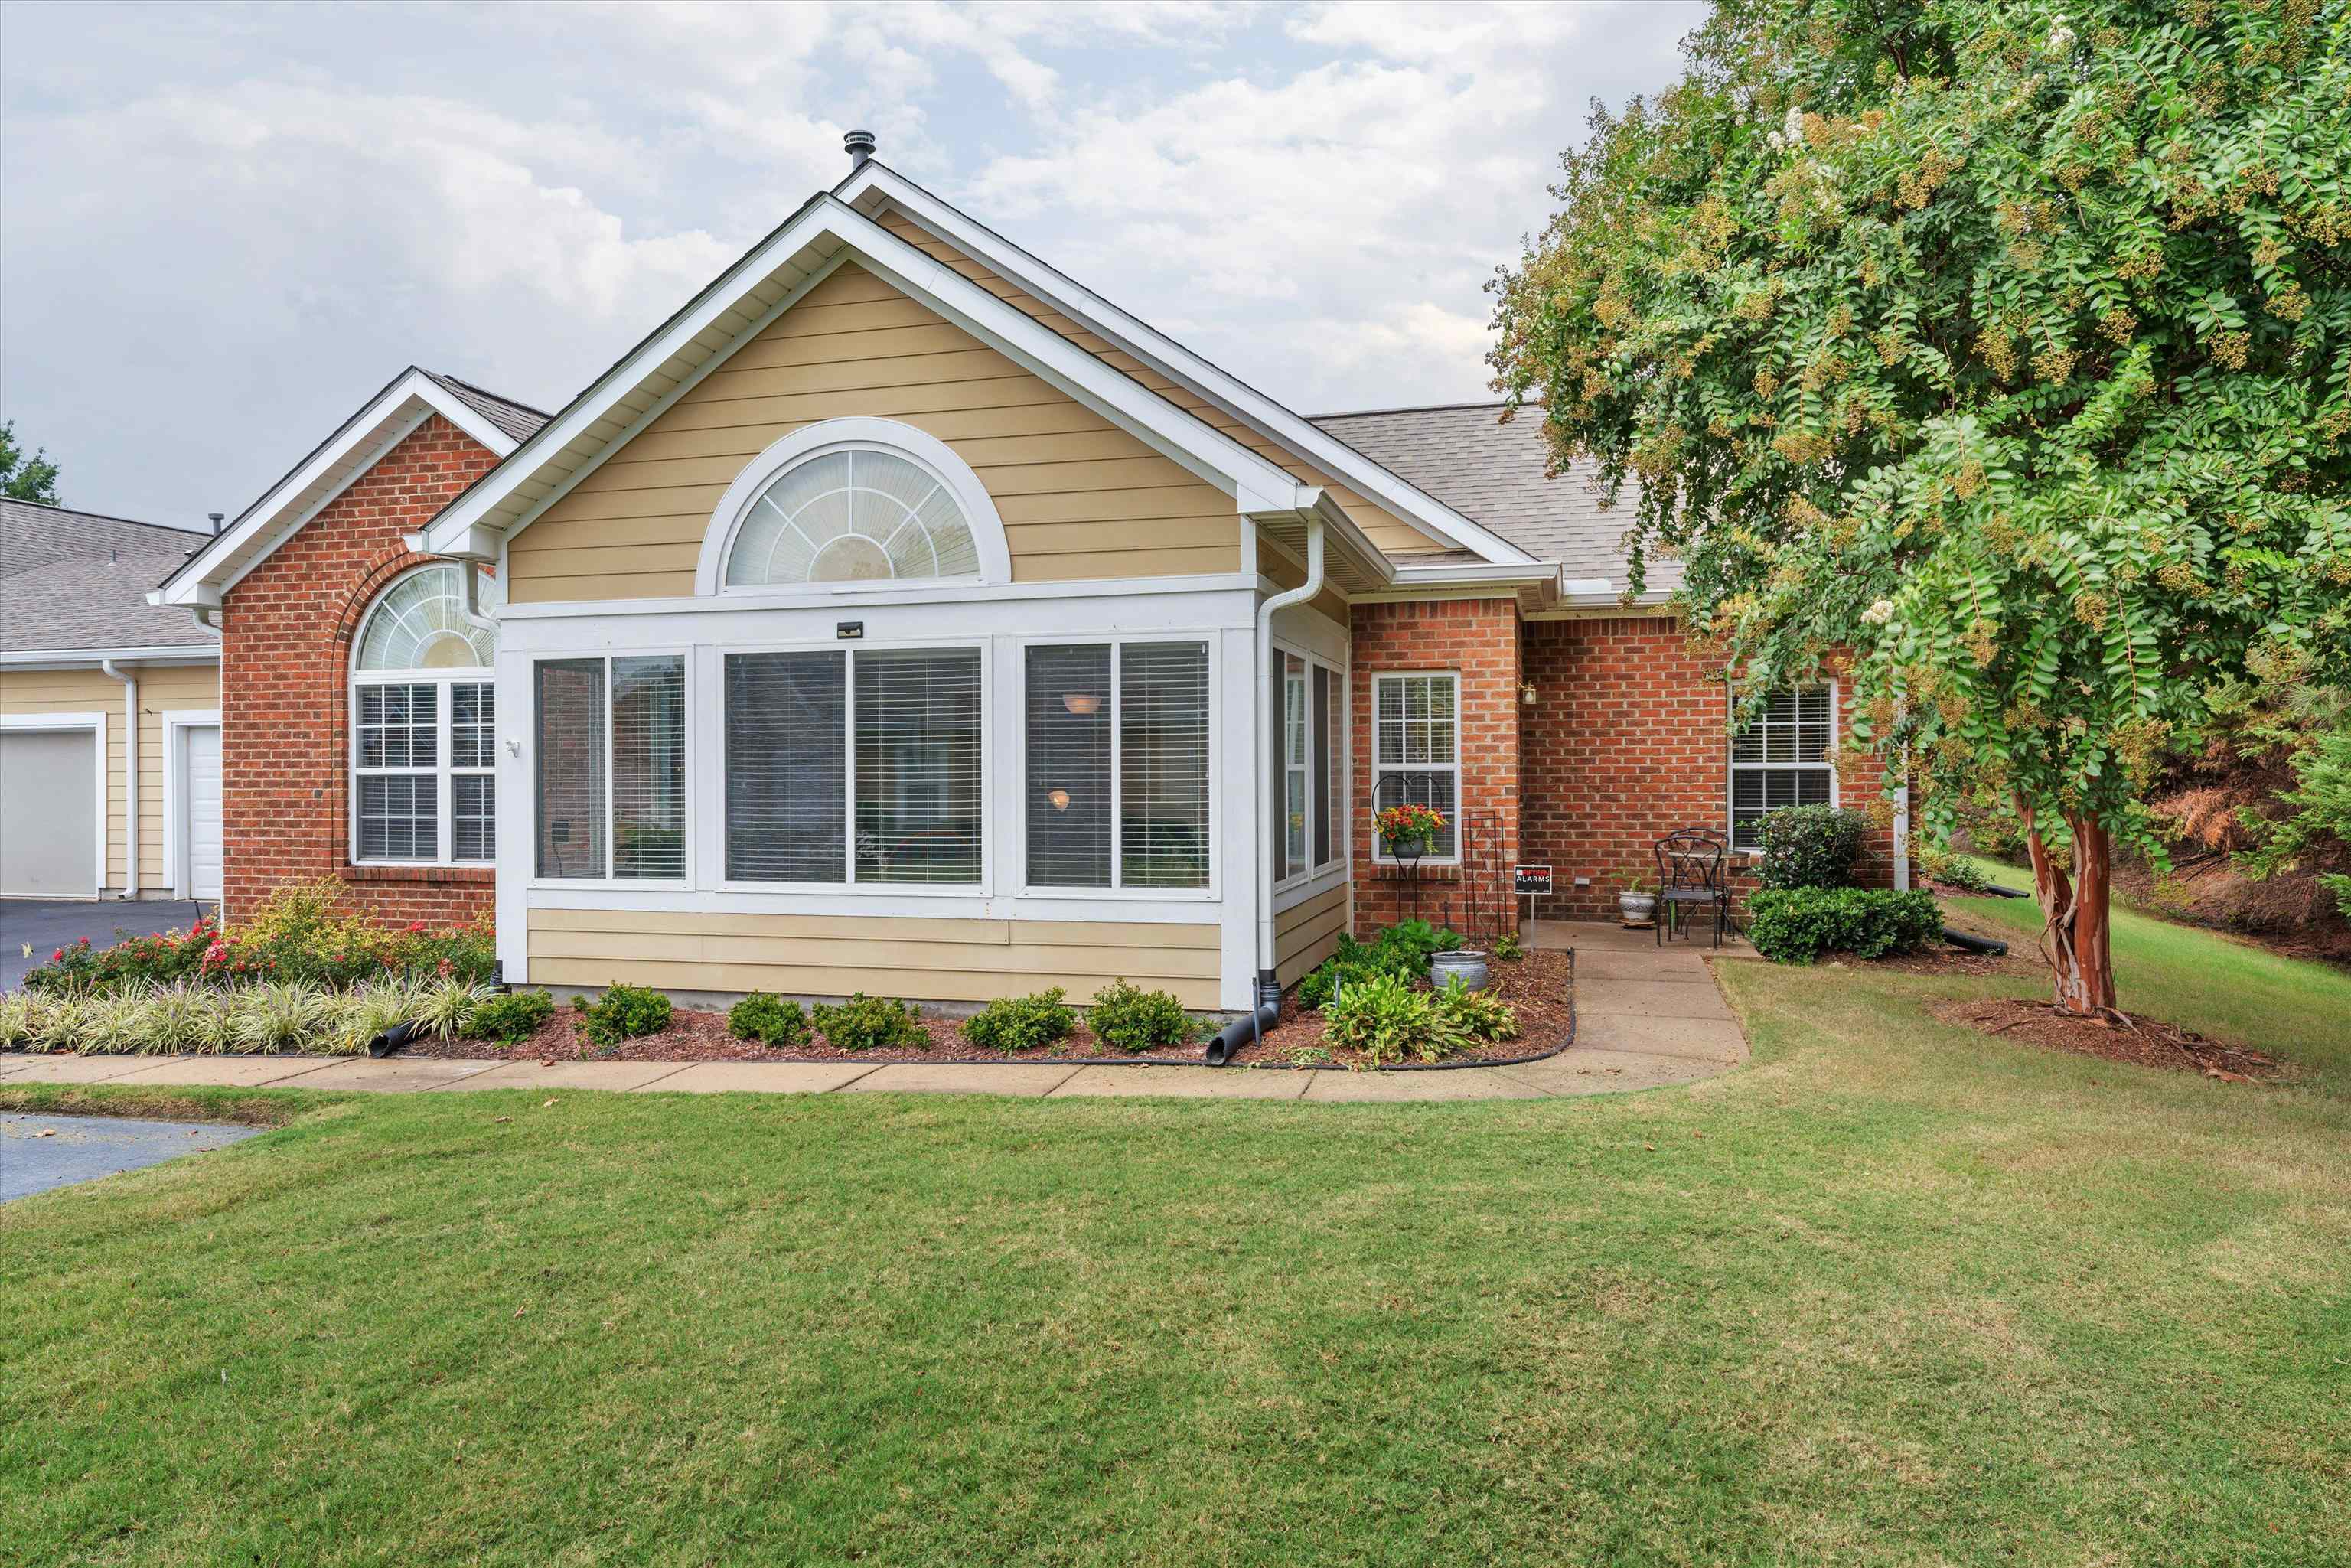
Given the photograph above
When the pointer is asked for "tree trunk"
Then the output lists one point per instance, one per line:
(2073, 911)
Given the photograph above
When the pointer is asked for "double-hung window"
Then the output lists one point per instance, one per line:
(611, 767)
(1782, 759)
(1416, 753)
(862, 766)
(1310, 766)
(1117, 738)
(424, 716)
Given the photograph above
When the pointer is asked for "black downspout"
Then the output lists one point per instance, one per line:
(1251, 1026)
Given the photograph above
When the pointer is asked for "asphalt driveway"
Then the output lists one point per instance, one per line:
(46, 924)
(43, 1152)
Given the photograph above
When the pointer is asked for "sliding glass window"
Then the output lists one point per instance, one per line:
(1118, 763)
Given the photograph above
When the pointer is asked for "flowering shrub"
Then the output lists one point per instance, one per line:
(1396, 823)
(295, 935)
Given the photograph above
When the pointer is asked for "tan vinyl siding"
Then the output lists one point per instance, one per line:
(94, 690)
(1385, 529)
(939, 960)
(1079, 498)
(1307, 933)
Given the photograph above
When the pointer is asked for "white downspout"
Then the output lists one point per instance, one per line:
(1266, 984)
(130, 770)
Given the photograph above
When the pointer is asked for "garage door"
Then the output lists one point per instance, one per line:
(48, 813)
(203, 798)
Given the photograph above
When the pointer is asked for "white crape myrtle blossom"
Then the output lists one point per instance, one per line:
(1880, 613)
(2061, 38)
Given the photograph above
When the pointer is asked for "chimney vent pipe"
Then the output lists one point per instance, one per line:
(858, 145)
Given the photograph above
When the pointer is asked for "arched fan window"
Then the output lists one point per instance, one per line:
(853, 514)
(423, 712)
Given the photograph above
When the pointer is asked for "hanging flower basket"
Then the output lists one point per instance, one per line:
(1407, 830)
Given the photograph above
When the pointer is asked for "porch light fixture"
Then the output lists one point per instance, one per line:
(1084, 704)
(1525, 693)
(1060, 797)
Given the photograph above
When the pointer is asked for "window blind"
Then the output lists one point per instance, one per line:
(1781, 758)
(1163, 764)
(1067, 698)
(1414, 751)
(1321, 784)
(787, 768)
(1334, 783)
(918, 781)
(571, 768)
(649, 767)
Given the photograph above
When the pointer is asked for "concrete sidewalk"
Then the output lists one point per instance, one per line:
(1645, 1019)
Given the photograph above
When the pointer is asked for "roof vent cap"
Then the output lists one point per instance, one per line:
(858, 145)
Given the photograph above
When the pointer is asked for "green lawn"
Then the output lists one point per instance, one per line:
(1893, 1294)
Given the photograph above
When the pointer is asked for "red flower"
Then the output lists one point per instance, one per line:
(58, 957)
(415, 926)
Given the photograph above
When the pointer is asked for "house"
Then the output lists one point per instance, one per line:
(901, 616)
(109, 713)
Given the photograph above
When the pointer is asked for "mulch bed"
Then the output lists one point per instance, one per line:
(1536, 987)
(2143, 1042)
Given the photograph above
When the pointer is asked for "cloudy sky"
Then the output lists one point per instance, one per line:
(222, 227)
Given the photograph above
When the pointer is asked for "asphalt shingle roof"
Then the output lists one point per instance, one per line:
(34, 535)
(94, 602)
(1493, 473)
(518, 420)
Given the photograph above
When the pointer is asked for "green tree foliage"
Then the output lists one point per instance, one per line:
(23, 477)
(1995, 353)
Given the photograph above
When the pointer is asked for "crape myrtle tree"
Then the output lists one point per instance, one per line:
(1991, 355)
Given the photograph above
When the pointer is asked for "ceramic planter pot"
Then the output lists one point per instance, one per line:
(1467, 962)
(1406, 848)
(1638, 908)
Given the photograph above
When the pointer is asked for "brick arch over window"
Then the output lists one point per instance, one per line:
(287, 635)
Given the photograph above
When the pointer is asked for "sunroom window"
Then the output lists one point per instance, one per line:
(1782, 759)
(611, 769)
(1117, 786)
(423, 712)
(864, 765)
(851, 514)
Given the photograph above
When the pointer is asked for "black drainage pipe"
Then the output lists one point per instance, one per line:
(392, 1039)
(1992, 945)
(1996, 890)
(1250, 1026)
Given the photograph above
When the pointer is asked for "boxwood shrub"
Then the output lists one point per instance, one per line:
(1811, 846)
(1017, 1023)
(1133, 1019)
(769, 1019)
(1797, 924)
(622, 1012)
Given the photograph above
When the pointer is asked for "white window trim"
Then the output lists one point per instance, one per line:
(688, 748)
(1460, 806)
(94, 722)
(855, 432)
(1732, 768)
(444, 769)
(849, 884)
(1117, 892)
(1318, 805)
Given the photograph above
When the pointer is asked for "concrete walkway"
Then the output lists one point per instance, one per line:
(1645, 1019)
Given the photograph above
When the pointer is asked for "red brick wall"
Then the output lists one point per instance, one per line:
(1479, 639)
(286, 633)
(1626, 741)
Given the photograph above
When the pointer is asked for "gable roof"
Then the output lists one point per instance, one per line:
(329, 468)
(1498, 474)
(78, 580)
(873, 188)
(822, 236)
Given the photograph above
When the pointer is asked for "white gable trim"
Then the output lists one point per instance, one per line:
(362, 442)
(838, 233)
(875, 181)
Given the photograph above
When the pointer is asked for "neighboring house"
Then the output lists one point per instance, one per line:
(903, 617)
(99, 689)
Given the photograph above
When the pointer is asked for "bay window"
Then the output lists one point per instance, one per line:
(1117, 738)
(1416, 753)
(611, 767)
(862, 766)
(1782, 759)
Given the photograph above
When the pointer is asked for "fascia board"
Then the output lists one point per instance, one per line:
(384, 423)
(1180, 365)
(1256, 484)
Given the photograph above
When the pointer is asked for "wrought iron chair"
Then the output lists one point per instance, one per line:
(1693, 869)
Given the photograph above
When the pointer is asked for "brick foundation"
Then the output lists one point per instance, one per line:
(285, 634)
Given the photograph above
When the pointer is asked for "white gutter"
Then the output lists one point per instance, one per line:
(1266, 979)
(168, 654)
(130, 770)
